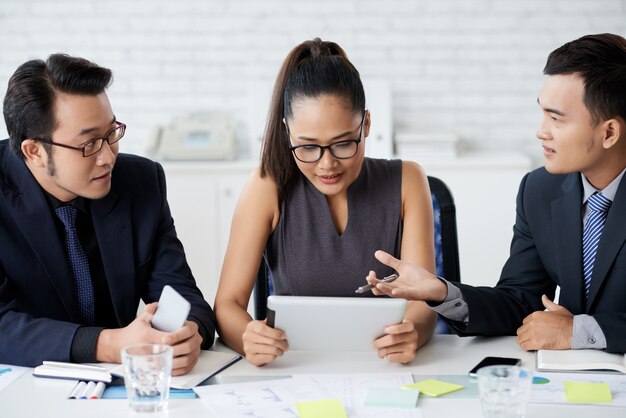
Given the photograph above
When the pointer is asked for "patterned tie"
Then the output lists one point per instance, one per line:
(598, 209)
(83, 287)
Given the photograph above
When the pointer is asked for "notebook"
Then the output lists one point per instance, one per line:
(73, 371)
(316, 323)
(209, 364)
(580, 361)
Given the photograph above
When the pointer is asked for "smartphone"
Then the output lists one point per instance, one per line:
(494, 361)
(172, 311)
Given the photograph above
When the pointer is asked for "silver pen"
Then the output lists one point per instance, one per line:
(368, 286)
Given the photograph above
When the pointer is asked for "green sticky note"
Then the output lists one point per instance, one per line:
(391, 398)
(432, 387)
(327, 408)
(584, 392)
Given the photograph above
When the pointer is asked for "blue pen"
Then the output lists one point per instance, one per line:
(88, 390)
(5, 370)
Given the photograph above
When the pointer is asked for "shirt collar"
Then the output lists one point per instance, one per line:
(608, 192)
(80, 202)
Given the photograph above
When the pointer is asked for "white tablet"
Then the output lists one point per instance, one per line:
(316, 323)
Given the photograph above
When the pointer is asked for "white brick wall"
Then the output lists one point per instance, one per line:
(472, 67)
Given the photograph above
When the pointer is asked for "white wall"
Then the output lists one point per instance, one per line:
(468, 67)
(471, 67)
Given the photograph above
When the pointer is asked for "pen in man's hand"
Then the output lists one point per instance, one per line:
(368, 286)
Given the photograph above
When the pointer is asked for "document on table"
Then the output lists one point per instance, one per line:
(262, 399)
(277, 398)
(550, 387)
(9, 373)
(352, 390)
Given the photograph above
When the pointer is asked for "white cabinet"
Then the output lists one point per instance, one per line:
(203, 195)
(484, 187)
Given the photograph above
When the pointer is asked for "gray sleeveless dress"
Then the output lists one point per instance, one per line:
(306, 255)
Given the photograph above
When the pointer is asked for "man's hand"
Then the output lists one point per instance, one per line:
(413, 283)
(551, 329)
(399, 344)
(140, 331)
(185, 341)
(262, 344)
(186, 344)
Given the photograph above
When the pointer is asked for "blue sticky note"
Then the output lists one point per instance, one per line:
(391, 398)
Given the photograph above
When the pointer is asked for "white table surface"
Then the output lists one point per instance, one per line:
(443, 355)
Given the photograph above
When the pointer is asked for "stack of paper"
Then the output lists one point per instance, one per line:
(9, 373)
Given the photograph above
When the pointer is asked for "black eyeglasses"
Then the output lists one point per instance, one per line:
(92, 146)
(342, 150)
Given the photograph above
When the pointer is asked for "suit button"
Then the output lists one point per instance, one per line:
(591, 340)
(457, 304)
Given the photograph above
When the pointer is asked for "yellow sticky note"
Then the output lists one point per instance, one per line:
(432, 387)
(585, 392)
(327, 408)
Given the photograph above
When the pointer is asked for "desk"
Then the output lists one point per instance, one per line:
(30, 397)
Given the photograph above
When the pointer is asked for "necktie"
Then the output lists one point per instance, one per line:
(598, 209)
(83, 287)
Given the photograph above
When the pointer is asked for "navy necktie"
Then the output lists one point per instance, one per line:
(598, 206)
(83, 287)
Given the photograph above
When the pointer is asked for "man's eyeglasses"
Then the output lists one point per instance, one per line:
(342, 150)
(94, 145)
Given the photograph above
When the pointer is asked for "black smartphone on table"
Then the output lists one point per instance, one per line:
(494, 361)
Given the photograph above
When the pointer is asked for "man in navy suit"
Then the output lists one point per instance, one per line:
(71, 292)
(583, 137)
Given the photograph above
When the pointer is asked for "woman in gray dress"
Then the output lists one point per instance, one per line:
(317, 209)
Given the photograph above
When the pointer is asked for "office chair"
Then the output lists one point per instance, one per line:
(446, 250)
(446, 242)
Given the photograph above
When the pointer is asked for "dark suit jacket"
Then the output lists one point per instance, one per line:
(546, 251)
(138, 245)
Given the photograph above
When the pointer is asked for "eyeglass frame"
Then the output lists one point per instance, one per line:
(82, 146)
(323, 148)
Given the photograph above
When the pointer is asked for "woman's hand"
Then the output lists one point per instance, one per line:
(263, 344)
(399, 344)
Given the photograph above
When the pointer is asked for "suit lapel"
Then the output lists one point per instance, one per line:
(112, 224)
(567, 235)
(36, 221)
(611, 240)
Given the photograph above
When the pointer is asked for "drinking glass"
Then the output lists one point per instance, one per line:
(147, 374)
(504, 391)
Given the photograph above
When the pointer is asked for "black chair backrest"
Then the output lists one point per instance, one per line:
(261, 291)
(449, 246)
(449, 240)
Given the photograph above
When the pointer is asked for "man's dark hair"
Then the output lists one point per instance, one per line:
(600, 61)
(29, 101)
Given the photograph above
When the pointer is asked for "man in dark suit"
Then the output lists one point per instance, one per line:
(85, 233)
(570, 228)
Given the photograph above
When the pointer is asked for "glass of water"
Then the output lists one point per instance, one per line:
(504, 391)
(147, 374)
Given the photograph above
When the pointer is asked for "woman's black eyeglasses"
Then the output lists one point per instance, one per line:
(342, 150)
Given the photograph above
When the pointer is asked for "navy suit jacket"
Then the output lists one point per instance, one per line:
(138, 245)
(546, 251)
